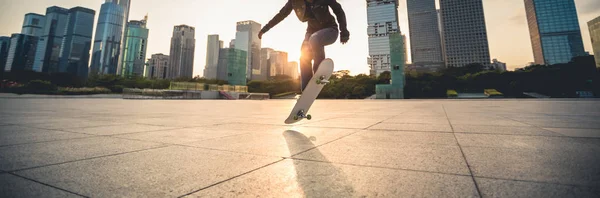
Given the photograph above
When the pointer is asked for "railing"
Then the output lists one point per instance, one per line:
(226, 95)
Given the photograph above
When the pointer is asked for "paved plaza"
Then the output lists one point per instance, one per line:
(351, 148)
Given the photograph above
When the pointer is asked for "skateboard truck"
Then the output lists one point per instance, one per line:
(322, 80)
(302, 114)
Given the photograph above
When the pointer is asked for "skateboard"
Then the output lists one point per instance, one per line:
(310, 93)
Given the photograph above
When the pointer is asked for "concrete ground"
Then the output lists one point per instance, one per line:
(352, 148)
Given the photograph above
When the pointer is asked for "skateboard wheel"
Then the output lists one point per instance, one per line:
(318, 81)
(308, 117)
(296, 118)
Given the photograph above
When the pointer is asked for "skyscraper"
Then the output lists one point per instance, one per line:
(109, 34)
(222, 65)
(465, 34)
(278, 62)
(246, 38)
(47, 56)
(158, 66)
(292, 70)
(134, 52)
(75, 49)
(382, 17)
(183, 45)
(236, 66)
(33, 24)
(594, 26)
(554, 30)
(265, 64)
(212, 56)
(21, 52)
(425, 41)
(394, 90)
(4, 46)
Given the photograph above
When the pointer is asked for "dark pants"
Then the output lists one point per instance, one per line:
(313, 49)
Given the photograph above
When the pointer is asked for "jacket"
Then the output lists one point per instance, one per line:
(319, 19)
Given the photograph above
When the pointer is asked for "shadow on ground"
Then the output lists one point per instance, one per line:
(317, 179)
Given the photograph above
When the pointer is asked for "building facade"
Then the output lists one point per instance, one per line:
(109, 34)
(291, 70)
(158, 67)
(594, 26)
(265, 64)
(246, 38)
(47, 57)
(75, 49)
(213, 47)
(222, 65)
(554, 30)
(498, 66)
(4, 46)
(21, 53)
(183, 45)
(425, 40)
(382, 17)
(278, 62)
(465, 33)
(232, 66)
(394, 90)
(33, 24)
(133, 58)
(236, 66)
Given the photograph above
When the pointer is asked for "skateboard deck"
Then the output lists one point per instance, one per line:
(310, 93)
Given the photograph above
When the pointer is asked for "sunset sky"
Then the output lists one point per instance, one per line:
(506, 25)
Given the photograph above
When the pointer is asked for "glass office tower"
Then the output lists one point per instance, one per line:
(594, 26)
(47, 57)
(75, 50)
(134, 53)
(382, 17)
(554, 30)
(33, 24)
(21, 52)
(108, 37)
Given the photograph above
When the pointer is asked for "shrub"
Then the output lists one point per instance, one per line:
(40, 85)
(83, 91)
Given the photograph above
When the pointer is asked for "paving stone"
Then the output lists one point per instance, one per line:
(13, 186)
(563, 124)
(41, 154)
(516, 189)
(540, 159)
(413, 127)
(514, 130)
(13, 134)
(169, 148)
(590, 133)
(418, 120)
(73, 123)
(422, 155)
(297, 178)
(486, 122)
(283, 143)
(119, 129)
(355, 123)
(186, 135)
(164, 172)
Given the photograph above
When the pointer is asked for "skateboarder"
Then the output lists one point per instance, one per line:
(322, 30)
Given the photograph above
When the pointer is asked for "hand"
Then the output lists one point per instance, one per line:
(260, 34)
(344, 36)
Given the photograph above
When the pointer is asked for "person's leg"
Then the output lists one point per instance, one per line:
(306, 57)
(318, 41)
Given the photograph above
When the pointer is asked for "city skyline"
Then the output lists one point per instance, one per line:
(504, 18)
